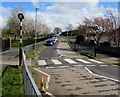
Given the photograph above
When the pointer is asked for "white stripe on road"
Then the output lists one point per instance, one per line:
(55, 61)
(90, 65)
(102, 75)
(42, 62)
(64, 66)
(103, 65)
(95, 61)
(70, 61)
(77, 65)
(50, 67)
(83, 61)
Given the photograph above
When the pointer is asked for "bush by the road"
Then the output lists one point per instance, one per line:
(80, 38)
(27, 41)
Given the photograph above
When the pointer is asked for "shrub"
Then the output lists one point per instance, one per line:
(80, 38)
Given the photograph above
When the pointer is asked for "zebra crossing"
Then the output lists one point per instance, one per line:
(66, 62)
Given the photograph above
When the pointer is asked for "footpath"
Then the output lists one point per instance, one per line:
(65, 50)
(77, 80)
(8, 57)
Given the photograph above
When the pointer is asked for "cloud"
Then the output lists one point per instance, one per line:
(35, 3)
(61, 14)
(6, 11)
(2, 22)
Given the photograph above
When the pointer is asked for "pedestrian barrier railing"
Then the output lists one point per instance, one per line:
(31, 88)
(90, 49)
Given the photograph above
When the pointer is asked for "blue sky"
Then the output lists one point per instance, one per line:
(60, 14)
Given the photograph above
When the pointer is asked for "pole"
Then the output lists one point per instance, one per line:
(21, 17)
(36, 26)
(20, 49)
(95, 50)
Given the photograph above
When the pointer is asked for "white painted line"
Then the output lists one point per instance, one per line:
(77, 65)
(42, 62)
(90, 65)
(95, 61)
(50, 67)
(70, 61)
(51, 95)
(83, 61)
(102, 76)
(103, 65)
(48, 77)
(64, 66)
(55, 61)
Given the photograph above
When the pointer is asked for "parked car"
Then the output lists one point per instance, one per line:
(50, 42)
(55, 39)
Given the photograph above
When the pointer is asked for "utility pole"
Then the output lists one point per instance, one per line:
(36, 26)
(21, 17)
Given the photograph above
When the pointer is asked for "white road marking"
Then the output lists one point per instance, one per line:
(103, 65)
(90, 65)
(55, 61)
(101, 75)
(77, 65)
(64, 66)
(51, 95)
(95, 61)
(50, 67)
(42, 62)
(70, 61)
(83, 61)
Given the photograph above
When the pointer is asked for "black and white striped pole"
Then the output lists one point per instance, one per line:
(21, 17)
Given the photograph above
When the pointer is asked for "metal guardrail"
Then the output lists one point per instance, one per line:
(31, 88)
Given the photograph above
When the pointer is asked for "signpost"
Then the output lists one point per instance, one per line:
(21, 17)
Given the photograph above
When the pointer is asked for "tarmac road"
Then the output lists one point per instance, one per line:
(69, 76)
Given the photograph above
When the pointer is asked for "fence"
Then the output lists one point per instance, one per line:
(101, 49)
(31, 88)
(90, 49)
(32, 47)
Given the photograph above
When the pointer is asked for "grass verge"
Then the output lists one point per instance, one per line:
(12, 81)
(33, 53)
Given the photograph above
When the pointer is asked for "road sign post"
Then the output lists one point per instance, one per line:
(21, 17)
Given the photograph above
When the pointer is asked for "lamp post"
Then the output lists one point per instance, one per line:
(21, 17)
(36, 26)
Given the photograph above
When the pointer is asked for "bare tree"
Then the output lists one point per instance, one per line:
(97, 27)
(69, 27)
(113, 26)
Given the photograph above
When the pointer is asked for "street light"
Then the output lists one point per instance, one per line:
(21, 17)
(36, 26)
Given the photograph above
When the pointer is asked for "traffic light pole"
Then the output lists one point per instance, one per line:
(21, 17)
(20, 49)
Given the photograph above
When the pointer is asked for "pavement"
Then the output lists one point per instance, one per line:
(65, 50)
(8, 57)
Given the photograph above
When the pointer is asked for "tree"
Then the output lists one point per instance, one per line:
(98, 27)
(82, 29)
(113, 27)
(13, 21)
(13, 24)
(69, 27)
(57, 30)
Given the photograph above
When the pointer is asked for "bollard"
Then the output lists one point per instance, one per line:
(42, 85)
